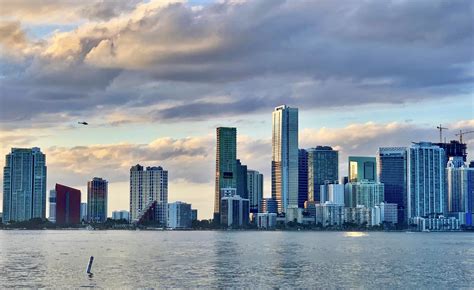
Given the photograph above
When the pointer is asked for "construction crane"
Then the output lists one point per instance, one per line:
(441, 128)
(461, 133)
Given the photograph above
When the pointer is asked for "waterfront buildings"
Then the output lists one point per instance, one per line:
(266, 221)
(97, 191)
(269, 205)
(68, 205)
(226, 164)
(392, 172)
(460, 189)
(329, 214)
(426, 180)
(440, 223)
(302, 177)
(364, 192)
(254, 189)
(323, 167)
(52, 205)
(360, 215)
(83, 211)
(179, 215)
(242, 180)
(234, 209)
(362, 168)
(384, 213)
(332, 192)
(120, 215)
(149, 192)
(285, 157)
(24, 185)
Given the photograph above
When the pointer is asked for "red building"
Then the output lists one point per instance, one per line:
(68, 205)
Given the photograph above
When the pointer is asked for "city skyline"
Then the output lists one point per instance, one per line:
(358, 87)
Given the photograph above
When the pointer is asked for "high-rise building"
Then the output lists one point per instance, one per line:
(226, 164)
(179, 215)
(235, 211)
(83, 211)
(364, 192)
(24, 185)
(362, 168)
(242, 190)
(52, 206)
(269, 205)
(454, 149)
(460, 189)
(332, 192)
(97, 200)
(68, 205)
(120, 215)
(285, 157)
(392, 172)
(302, 177)
(322, 168)
(329, 214)
(254, 189)
(426, 180)
(149, 187)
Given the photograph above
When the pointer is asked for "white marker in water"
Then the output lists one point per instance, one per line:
(89, 267)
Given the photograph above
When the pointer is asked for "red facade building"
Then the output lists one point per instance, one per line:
(68, 205)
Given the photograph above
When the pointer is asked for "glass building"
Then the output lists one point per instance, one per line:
(323, 168)
(362, 168)
(97, 190)
(254, 189)
(302, 177)
(68, 205)
(242, 190)
(52, 206)
(24, 185)
(226, 164)
(460, 189)
(392, 172)
(285, 157)
(179, 215)
(364, 192)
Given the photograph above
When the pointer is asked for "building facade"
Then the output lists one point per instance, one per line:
(52, 206)
(226, 164)
(97, 194)
(68, 205)
(362, 168)
(323, 167)
(364, 192)
(460, 189)
(285, 157)
(269, 205)
(332, 192)
(329, 214)
(83, 211)
(24, 185)
(179, 215)
(254, 189)
(235, 211)
(242, 190)
(302, 177)
(120, 215)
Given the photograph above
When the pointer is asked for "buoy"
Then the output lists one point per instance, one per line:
(89, 267)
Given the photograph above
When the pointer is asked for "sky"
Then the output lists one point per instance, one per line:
(155, 78)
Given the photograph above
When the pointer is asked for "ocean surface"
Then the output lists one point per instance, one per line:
(236, 259)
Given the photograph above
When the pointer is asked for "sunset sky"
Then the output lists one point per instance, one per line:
(155, 78)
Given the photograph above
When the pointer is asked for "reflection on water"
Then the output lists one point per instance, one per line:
(53, 259)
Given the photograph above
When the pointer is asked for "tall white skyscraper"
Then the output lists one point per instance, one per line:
(426, 180)
(147, 186)
(285, 157)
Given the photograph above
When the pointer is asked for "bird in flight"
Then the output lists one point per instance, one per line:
(83, 123)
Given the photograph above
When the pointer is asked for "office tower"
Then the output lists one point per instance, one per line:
(24, 185)
(83, 211)
(332, 193)
(268, 205)
(226, 164)
(392, 172)
(426, 182)
(241, 179)
(68, 205)
(97, 200)
(362, 168)
(149, 192)
(254, 189)
(302, 177)
(285, 157)
(52, 206)
(460, 189)
(194, 214)
(235, 210)
(453, 149)
(179, 215)
(322, 168)
(121, 215)
(366, 193)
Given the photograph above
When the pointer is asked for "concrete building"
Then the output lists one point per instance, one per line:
(392, 172)
(83, 211)
(179, 215)
(360, 215)
(120, 215)
(68, 205)
(330, 214)
(52, 205)
(294, 214)
(235, 211)
(460, 190)
(226, 164)
(362, 168)
(24, 185)
(285, 157)
(302, 177)
(332, 192)
(426, 180)
(364, 192)
(148, 189)
(323, 168)
(384, 213)
(97, 195)
(440, 224)
(254, 189)
(266, 221)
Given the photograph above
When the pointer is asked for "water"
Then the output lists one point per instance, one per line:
(236, 259)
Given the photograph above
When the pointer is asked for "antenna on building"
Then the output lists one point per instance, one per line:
(441, 128)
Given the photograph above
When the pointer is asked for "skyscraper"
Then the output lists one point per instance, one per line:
(392, 172)
(362, 168)
(179, 215)
(68, 205)
(302, 177)
(426, 180)
(226, 164)
(24, 185)
(242, 190)
(97, 191)
(52, 205)
(254, 189)
(285, 157)
(147, 187)
(323, 167)
(460, 189)
(366, 193)
(454, 149)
